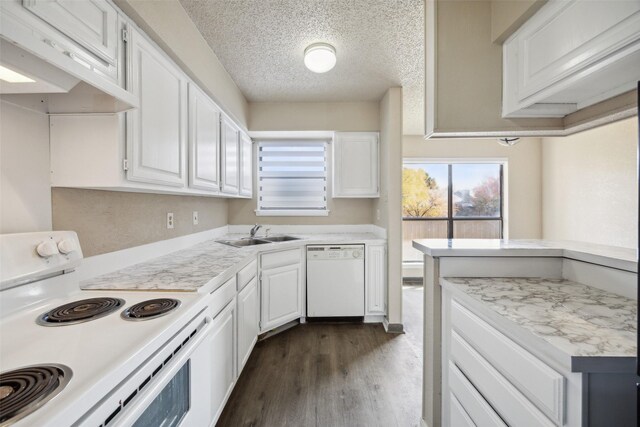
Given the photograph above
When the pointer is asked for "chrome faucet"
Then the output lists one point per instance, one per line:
(254, 230)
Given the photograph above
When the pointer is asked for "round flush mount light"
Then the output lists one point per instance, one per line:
(320, 57)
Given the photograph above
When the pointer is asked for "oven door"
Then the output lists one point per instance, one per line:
(178, 393)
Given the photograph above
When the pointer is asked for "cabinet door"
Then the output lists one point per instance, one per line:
(355, 165)
(223, 356)
(281, 295)
(92, 24)
(204, 141)
(376, 280)
(246, 165)
(156, 139)
(230, 157)
(248, 321)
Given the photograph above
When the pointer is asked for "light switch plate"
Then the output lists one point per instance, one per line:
(195, 217)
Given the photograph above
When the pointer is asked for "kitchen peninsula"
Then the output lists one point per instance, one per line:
(528, 329)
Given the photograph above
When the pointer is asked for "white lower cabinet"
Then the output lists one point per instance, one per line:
(376, 280)
(248, 321)
(222, 341)
(281, 288)
(495, 381)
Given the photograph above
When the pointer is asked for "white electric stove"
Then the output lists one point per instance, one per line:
(133, 363)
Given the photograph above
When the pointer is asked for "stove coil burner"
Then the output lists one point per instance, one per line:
(150, 309)
(80, 311)
(24, 390)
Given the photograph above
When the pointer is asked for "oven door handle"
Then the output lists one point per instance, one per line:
(144, 399)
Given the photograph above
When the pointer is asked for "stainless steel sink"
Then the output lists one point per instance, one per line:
(240, 243)
(280, 238)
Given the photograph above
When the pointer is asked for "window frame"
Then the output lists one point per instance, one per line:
(293, 212)
(450, 218)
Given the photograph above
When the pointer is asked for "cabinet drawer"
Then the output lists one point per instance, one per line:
(541, 384)
(277, 259)
(457, 415)
(511, 405)
(247, 273)
(221, 296)
(480, 412)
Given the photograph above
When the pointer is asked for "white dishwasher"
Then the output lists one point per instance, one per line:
(335, 280)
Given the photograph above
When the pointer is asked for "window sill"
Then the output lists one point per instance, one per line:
(292, 213)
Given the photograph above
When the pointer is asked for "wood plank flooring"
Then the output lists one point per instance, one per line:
(331, 375)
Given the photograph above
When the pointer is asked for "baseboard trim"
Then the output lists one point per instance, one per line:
(392, 328)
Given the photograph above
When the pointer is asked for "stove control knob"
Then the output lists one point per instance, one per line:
(47, 249)
(66, 246)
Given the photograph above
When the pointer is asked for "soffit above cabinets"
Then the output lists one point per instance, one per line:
(379, 44)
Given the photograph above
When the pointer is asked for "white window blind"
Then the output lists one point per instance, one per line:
(292, 176)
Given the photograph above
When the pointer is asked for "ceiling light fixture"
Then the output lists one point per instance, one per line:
(320, 57)
(11, 76)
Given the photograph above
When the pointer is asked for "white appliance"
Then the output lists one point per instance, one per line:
(107, 370)
(335, 280)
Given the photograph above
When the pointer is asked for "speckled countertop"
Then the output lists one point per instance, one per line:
(205, 266)
(611, 256)
(578, 320)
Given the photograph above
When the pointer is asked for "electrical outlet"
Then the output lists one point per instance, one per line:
(378, 214)
(169, 220)
(195, 217)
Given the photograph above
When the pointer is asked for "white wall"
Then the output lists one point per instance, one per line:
(590, 187)
(387, 209)
(25, 190)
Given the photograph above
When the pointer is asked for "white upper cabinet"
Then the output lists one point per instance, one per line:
(156, 132)
(93, 24)
(204, 141)
(246, 165)
(570, 55)
(230, 157)
(356, 165)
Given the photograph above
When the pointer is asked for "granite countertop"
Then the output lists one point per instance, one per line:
(205, 266)
(616, 257)
(579, 321)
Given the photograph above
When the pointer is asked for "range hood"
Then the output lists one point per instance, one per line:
(50, 89)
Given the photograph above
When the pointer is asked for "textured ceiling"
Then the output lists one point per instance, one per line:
(379, 44)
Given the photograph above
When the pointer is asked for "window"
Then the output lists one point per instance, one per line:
(292, 178)
(451, 200)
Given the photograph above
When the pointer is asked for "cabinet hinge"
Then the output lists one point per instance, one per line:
(125, 164)
(125, 35)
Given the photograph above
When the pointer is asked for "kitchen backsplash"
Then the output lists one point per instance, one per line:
(108, 221)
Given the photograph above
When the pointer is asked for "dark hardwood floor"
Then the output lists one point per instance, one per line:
(332, 375)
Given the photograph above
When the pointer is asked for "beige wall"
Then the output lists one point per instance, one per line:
(524, 179)
(108, 221)
(387, 209)
(590, 185)
(508, 15)
(25, 196)
(331, 116)
(169, 25)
